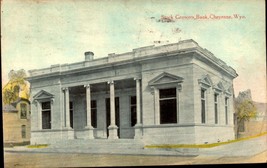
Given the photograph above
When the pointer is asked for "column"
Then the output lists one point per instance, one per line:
(89, 127)
(112, 104)
(70, 132)
(113, 129)
(138, 101)
(138, 126)
(67, 107)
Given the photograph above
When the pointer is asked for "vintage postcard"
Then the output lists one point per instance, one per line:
(88, 83)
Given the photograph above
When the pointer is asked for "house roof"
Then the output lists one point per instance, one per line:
(19, 100)
(9, 108)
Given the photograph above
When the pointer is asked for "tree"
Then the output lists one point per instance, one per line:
(16, 86)
(245, 110)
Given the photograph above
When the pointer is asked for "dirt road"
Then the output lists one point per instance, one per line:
(93, 160)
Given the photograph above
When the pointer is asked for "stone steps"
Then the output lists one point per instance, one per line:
(100, 143)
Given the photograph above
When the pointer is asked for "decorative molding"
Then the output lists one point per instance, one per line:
(34, 102)
(43, 95)
(228, 92)
(65, 88)
(205, 82)
(186, 125)
(111, 82)
(152, 90)
(179, 87)
(218, 88)
(137, 78)
(87, 85)
(165, 78)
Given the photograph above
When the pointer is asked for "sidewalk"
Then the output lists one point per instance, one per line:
(249, 147)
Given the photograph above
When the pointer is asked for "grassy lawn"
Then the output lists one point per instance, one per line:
(38, 146)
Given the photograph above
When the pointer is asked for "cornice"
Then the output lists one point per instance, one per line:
(138, 55)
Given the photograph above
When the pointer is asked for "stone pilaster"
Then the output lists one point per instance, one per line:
(89, 128)
(113, 129)
(138, 126)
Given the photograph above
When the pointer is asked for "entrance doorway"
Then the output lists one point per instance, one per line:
(117, 114)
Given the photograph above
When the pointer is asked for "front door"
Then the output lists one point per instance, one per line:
(117, 114)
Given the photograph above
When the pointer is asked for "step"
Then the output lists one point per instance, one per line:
(100, 143)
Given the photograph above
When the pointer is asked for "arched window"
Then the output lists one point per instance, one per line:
(23, 111)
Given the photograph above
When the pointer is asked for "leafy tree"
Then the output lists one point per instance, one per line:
(17, 85)
(245, 110)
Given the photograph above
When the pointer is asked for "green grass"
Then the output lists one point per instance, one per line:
(202, 145)
(38, 146)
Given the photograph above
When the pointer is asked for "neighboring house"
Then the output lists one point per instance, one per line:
(17, 122)
(176, 93)
(255, 125)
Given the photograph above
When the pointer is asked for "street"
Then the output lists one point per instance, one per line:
(253, 150)
(22, 159)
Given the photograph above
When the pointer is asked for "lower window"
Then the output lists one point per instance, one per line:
(94, 113)
(46, 115)
(133, 110)
(23, 131)
(168, 106)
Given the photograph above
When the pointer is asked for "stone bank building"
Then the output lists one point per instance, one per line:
(172, 94)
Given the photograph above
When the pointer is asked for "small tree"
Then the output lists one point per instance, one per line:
(16, 84)
(245, 110)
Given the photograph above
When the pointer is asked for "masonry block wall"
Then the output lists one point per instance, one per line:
(184, 67)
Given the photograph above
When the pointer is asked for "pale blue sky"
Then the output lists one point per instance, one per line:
(37, 34)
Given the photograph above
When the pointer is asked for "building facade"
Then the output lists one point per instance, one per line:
(17, 122)
(178, 93)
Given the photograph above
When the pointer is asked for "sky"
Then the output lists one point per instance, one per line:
(39, 33)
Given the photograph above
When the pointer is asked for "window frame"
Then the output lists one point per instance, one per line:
(216, 108)
(23, 131)
(168, 99)
(133, 112)
(50, 115)
(226, 108)
(203, 110)
(94, 113)
(23, 117)
(165, 80)
(71, 105)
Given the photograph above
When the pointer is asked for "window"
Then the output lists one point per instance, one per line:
(46, 115)
(71, 114)
(23, 131)
(241, 126)
(216, 108)
(203, 106)
(167, 102)
(94, 113)
(226, 110)
(133, 110)
(23, 111)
